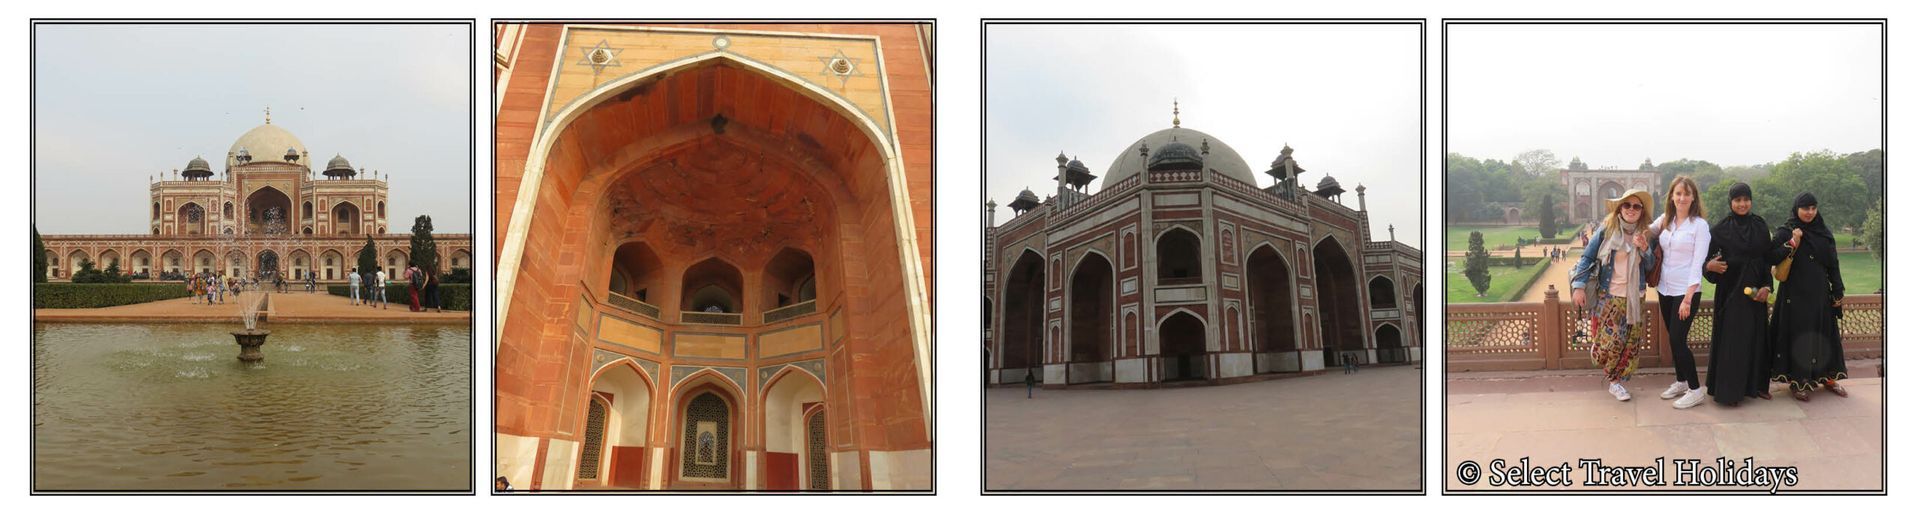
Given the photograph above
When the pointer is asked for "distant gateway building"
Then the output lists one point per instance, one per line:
(1588, 189)
(267, 212)
(1181, 268)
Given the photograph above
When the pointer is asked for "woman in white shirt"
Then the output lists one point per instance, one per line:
(1684, 238)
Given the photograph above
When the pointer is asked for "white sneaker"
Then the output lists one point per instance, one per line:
(1619, 392)
(1692, 398)
(1674, 390)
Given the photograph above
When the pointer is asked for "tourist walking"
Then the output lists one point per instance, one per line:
(353, 286)
(414, 283)
(1805, 332)
(1738, 363)
(380, 285)
(1684, 237)
(309, 282)
(432, 292)
(1612, 272)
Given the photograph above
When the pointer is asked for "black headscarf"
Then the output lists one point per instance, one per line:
(1740, 230)
(1815, 228)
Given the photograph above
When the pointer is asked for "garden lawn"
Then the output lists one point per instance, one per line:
(1495, 236)
(1506, 279)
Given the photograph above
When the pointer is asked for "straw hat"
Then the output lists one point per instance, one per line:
(1646, 200)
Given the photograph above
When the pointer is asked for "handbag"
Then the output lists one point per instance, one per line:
(1653, 277)
(1780, 270)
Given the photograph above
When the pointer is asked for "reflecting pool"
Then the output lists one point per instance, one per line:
(333, 407)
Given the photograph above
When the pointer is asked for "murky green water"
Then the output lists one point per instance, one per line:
(333, 407)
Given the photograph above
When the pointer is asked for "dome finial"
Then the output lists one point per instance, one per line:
(1176, 112)
(269, 115)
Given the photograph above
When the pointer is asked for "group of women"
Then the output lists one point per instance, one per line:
(1800, 344)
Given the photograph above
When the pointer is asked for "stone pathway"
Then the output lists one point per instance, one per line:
(296, 307)
(1323, 432)
(1563, 416)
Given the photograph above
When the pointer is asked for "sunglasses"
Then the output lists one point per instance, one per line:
(1633, 206)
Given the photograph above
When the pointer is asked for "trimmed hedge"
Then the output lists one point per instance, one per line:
(453, 297)
(1539, 268)
(57, 295)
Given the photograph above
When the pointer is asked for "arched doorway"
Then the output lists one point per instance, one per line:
(191, 219)
(1090, 321)
(1183, 342)
(794, 403)
(332, 265)
(301, 264)
(737, 175)
(110, 259)
(787, 280)
(613, 446)
(1336, 287)
(634, 273)
(1021, 335)
(1270, 296)
(268, 263)
(141, 263)
(1178, 251)
(395, 262)
(203, 262)
(708, 439)
(1387, 337)
(1381, 294)
(710, 289)
(236, 264)
(76, 259)
(269, 212)
(170, 261)
(346, 219)
(1419, 318)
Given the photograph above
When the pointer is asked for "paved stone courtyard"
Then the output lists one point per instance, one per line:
(293, 307)
(1563, 416)
(1330, 431)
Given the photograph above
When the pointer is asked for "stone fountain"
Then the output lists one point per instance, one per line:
(251, 305)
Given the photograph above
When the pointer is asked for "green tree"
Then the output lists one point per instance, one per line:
(369, 261)
(1537, 163)
(1477, 263)
(1548, 224)
(1874, 230)
(39, 257)
(88, 274)
(1831, 179)
(424, 253)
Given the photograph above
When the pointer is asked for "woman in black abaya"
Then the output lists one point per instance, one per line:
(1806, 330)
(1739, 364)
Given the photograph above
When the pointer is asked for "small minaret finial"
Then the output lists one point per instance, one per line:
(269, 115)
(1176, 112)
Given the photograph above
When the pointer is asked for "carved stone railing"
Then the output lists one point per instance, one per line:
(1106, 194)
(1173, 177)
(710, 318)
(633, 305)
(788, 312)
(1551, 334)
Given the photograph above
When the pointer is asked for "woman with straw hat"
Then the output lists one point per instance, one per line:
(1612, 271)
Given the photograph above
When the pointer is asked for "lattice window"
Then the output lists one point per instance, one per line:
(704, 452)
(591, 444)
(817, 452)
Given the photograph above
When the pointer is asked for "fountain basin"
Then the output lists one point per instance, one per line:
(250, 341)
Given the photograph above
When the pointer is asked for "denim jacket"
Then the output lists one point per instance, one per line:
(1583, 271)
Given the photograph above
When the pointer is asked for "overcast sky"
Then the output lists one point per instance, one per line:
(117, 103)
(1615, 95)
(1346, 97)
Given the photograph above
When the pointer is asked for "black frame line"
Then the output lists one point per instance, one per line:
(933, 445)
(1447, 488)
(472, 211)
(1423, 365)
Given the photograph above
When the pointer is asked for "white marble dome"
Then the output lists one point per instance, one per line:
(267, 143)
(1220, 157)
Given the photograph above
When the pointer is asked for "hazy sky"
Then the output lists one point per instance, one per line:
(1615, 95)
(1346, 97)
(116, 103)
